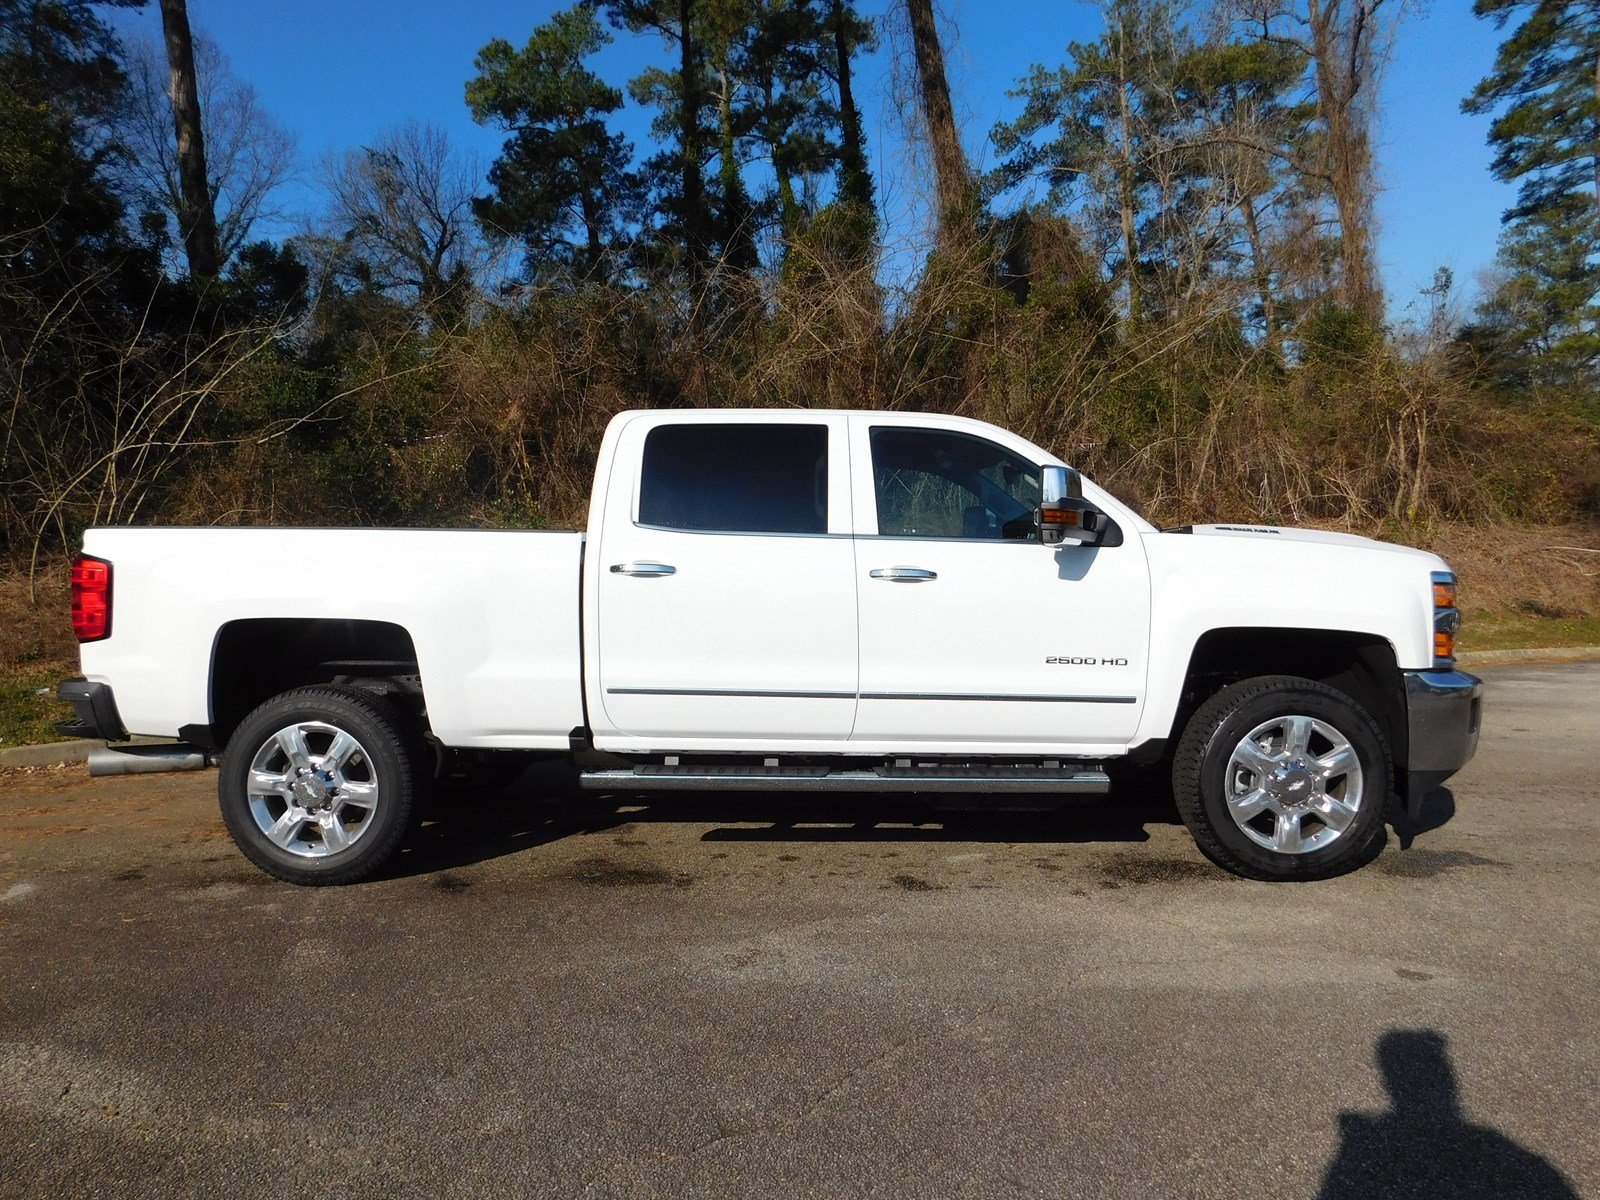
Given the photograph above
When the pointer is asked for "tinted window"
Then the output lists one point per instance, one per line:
(930, 483)
(736, 478)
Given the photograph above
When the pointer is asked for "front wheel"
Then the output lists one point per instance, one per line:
(1280, 777)
(317, 785)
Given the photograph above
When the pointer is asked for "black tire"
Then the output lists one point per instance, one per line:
(1201, 784)
(390, 754)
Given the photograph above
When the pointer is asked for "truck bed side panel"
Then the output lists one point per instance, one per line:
(494, 618)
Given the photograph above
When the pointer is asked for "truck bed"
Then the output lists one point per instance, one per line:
(493, 617)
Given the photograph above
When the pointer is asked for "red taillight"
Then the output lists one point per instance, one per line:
(91, 598)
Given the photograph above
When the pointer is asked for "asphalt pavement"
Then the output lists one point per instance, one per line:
(557, 995)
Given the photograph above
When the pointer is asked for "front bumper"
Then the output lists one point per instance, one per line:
(1443, 710)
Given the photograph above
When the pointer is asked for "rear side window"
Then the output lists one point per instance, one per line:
(736, 478)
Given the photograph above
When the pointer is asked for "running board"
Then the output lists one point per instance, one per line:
(822, 779)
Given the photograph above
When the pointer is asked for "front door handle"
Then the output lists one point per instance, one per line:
(904, 574)
(643, 570)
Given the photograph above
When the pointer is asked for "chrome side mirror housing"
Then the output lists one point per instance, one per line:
(1064, 515)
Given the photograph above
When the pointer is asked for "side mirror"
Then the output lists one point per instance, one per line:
(1064, 515)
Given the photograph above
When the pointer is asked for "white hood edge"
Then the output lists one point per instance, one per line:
(1313, 536)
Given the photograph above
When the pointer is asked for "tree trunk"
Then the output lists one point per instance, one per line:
(591, 228)
(1342, 33)
(694, 192)
(197, 219)
(855, 184)
(1127, 180)
(788, 205)
(952, 177)
(738, 242)
(1260, 271)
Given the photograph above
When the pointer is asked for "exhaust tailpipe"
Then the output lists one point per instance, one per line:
(151, 759)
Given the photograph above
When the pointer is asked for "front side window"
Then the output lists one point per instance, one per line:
(937, 484)
(756, 478)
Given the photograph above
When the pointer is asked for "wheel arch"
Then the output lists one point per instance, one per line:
(254, 659)
(1364, 666)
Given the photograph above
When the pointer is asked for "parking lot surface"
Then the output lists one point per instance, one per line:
(558, 995)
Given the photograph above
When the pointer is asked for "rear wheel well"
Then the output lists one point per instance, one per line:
(254, 660)
(1362, 666)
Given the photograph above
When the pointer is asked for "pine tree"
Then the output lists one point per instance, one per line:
(1539, 320)
(1545, 88)
(562, 184)
(61, 84)
(760, 76)
(727, 27)
(1249, 127)
(791, 116)
(850, 34)
(681, 96)
(1094, 129)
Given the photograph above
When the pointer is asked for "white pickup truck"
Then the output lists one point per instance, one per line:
(787, 600)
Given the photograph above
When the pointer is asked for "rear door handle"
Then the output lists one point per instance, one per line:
(643, 570)
(904, 574)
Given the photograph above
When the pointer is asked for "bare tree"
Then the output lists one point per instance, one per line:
(952, 174)
(197, 219)
(403, 208)
(1347, 44)
(248, 154)
(1347, 48)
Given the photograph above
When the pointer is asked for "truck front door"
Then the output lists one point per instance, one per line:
(972, 632)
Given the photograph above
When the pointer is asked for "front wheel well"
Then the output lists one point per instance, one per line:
(256, 659)
(1362, 666)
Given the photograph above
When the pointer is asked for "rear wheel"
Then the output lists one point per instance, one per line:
(1280, 777)
(317, 785)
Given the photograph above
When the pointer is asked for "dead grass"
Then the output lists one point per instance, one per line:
(37, 651)
(35, 621)
(1524, 574)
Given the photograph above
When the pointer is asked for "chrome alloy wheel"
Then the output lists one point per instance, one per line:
(312, 789)
(1294, 784)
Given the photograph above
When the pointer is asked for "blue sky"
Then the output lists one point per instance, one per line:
(336, 72)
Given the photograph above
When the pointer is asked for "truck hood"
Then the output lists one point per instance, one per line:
(1247, 576)
(1319, 537)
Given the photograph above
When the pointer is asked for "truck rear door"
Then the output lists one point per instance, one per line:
(724, 581)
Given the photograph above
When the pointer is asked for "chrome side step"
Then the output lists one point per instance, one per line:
(825, 779)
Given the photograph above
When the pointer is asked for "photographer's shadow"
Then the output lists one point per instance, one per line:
(1423, 1146)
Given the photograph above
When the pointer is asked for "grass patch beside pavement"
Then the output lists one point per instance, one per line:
(1524, 631)
(26, 717)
